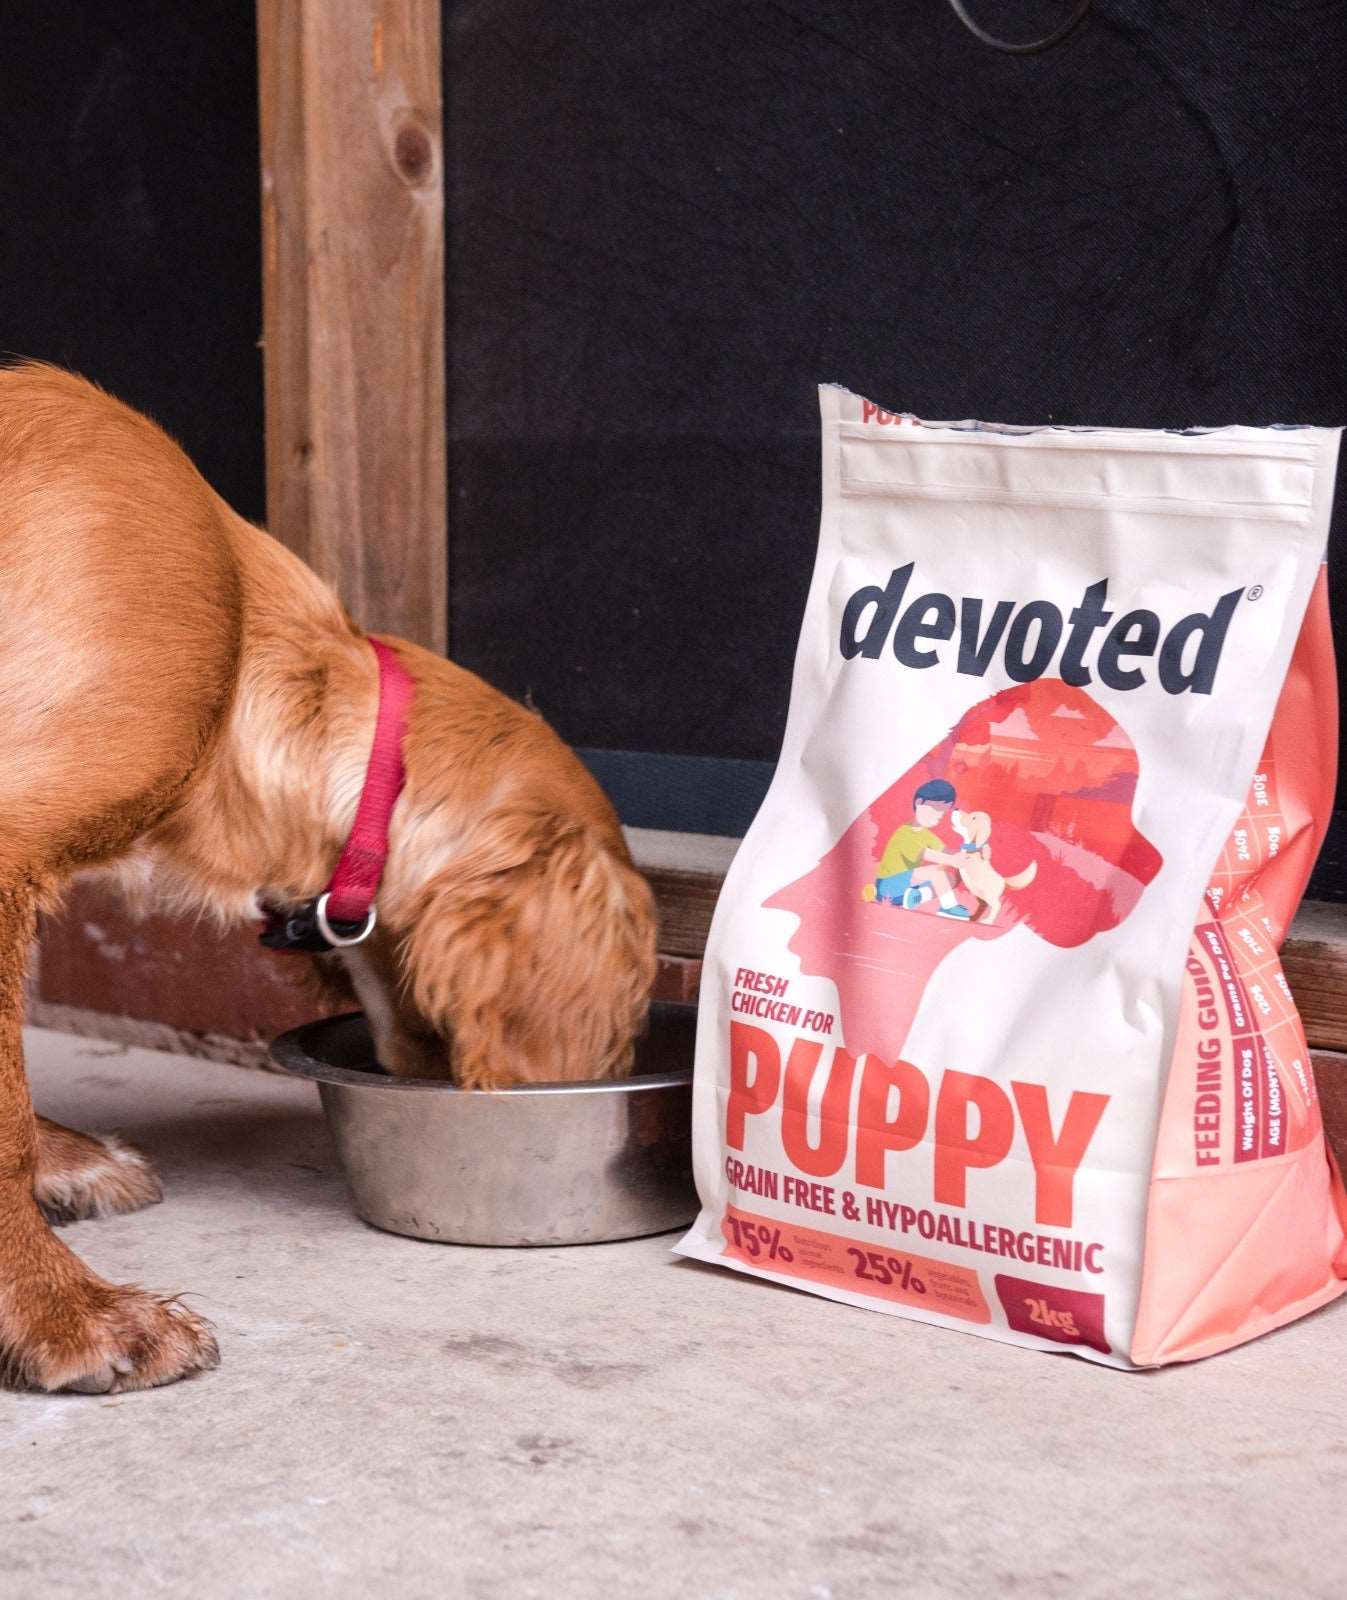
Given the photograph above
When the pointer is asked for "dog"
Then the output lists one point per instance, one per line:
(976, 869)
(183, 703)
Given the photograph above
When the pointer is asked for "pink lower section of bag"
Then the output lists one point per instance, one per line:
(1245, 1218)
(1012, 1308)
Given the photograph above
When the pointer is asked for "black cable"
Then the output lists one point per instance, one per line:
(1035, 45)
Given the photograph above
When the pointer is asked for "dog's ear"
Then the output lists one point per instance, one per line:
(980, 825)
(534, 954)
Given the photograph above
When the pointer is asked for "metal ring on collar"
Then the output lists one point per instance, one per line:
(1033, 46)
(330, 934)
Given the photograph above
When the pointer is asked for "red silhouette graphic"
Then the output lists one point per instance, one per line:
(1053, 775)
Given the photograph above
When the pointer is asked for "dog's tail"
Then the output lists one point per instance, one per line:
(534, 952)
(1022, 880)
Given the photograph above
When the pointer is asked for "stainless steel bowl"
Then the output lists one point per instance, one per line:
(550, 1163)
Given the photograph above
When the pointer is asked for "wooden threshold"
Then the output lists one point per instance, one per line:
(686, 871)
(1314, 959)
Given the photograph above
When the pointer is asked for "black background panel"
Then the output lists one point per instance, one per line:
(668, 223)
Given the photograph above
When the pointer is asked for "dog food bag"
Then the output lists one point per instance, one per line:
(993, 1032)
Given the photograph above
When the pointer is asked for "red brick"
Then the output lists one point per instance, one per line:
(677, 978)
(168, 969)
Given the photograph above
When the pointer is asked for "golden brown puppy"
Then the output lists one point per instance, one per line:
(183, 701)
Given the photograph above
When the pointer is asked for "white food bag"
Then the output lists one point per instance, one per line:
(992, 1029)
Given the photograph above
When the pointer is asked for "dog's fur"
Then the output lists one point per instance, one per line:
(183, 702)
(976, 869)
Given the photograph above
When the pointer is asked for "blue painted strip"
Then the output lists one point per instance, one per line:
(685, 794)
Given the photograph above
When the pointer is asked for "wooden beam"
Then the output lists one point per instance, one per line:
(1314, 959)
(353, 301)
(686, 871)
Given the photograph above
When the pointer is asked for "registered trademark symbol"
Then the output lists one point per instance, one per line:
(1256, 592)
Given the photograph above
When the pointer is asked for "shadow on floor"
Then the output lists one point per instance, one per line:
(270, 1152)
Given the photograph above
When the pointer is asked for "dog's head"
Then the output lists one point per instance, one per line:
(973, 827)
(515, 940)
(530, 958)
(535, 966)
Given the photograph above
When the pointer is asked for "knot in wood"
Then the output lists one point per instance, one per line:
(413, 153)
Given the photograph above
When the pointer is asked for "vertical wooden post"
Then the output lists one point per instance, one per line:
(353, 301)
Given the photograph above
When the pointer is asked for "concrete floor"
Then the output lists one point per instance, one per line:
(413, 1420)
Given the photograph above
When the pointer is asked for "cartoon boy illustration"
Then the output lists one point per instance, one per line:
(913, 867)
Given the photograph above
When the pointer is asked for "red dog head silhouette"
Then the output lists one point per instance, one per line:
(1043, 780)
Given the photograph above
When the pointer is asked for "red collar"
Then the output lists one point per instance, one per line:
(344, 913)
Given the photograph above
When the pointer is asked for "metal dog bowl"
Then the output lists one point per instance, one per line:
(548, 1163)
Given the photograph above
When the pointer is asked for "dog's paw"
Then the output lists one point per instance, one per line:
(119, 1339)
(83, 1175)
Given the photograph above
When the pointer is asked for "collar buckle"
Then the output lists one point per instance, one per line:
(352, 932)
(308, 928)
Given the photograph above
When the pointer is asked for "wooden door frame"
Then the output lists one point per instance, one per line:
(353, 302)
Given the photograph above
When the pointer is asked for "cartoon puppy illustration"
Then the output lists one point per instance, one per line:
(975, 865)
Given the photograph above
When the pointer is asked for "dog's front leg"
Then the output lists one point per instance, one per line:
(60, 1326)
